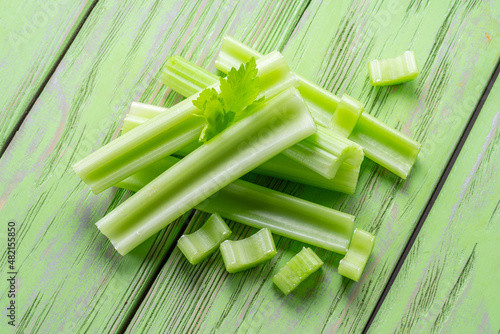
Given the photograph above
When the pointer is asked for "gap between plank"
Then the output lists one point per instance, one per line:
(437, 190)
(44, 83)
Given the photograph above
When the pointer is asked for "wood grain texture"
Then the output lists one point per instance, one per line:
(449, 281)
(456, 44)
(33, 36)
(70, 279)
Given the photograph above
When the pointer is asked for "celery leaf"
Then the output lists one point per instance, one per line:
(236, 99)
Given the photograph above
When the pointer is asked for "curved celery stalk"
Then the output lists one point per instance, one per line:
(400, 149)
(247, 253)
(296, 270)
(156, 139)
(346, 115)
(393, 71)
(197, 246)
(260, 207)
(353, 264)
(278, 124)
(323, 152)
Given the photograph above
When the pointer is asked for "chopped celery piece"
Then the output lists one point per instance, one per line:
(231, 154)
(296, 270)
(393, 71)
(197, 246)
(323, 152)
(185, 79)
(386, 146)
(247, 253)
(156, 139)
(260, 207)
(346, 115)
(382, 144)
(354, 262)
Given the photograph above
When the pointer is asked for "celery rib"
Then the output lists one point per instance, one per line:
(353, 264)
(297, 270)
(231, 154)
(247, 253)
(203, 242)
(397, 155)
(393, 71)
(153, 140)
(261, 207)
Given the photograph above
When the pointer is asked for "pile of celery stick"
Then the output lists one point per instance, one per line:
(261, 118)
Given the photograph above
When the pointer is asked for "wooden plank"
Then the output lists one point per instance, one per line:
(331, 45)
(70, 279)
(34, 36)
(449, 281)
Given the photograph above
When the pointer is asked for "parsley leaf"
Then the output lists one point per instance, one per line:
(236, 99)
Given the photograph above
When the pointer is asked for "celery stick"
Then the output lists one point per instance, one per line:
(353, 264)
(283, 214)
(278, 124)
(323, 152)
(393, 71)
(397, 156)
(186, 78)
(158, 138)
(297, 270)
(386, 146)
(247, 253)
(346, 115)
(260, 207)
(197, 246)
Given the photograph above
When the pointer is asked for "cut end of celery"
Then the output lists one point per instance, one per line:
(353, 264)
(297, 270)
(346, 115)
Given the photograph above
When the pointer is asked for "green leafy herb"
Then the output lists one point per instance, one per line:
(238, 92)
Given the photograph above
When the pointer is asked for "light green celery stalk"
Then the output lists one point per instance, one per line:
(353, 264)
(296, 270)
(260, 207)
(247, 253)
(393, 71)
(167, 133)
(323, 152)
(201, 77)
(203, 242)
(397, 155)
(275, 126)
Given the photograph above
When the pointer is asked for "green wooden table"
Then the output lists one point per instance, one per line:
(69, 71)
